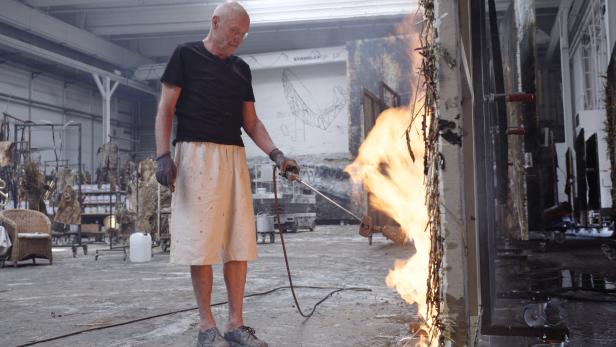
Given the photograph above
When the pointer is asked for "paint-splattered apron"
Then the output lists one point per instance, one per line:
(212, 218)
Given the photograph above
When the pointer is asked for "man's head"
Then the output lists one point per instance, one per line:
(230, 24)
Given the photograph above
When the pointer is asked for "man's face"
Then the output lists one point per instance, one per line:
(231, 32)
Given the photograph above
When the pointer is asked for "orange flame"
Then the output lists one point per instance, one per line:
(396, 185)
(397, 188)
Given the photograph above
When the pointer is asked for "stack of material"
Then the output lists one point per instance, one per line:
(65, 177)
(69, 209)
(85, 176)
(164, 226)
(126, 221)
(128, 174)
(6, 152)
(32, 187)
(109, 165)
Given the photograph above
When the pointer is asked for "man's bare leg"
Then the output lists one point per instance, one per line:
(235, 279)
(202, 278)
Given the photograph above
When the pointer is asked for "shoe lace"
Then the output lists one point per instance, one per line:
(249, 330)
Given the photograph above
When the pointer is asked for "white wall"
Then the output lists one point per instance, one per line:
(592, 122)
(611, 24)
(577, 83)
(82, 98)
(304, 108)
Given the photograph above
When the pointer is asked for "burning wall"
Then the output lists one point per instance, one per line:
(400, 178)
(370, 63)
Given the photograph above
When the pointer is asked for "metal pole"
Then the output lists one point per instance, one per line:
(157, 213)
(107, 115)
(78, 179)
(15, 159)
(297, 179)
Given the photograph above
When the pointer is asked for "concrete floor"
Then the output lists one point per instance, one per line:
(41, 301)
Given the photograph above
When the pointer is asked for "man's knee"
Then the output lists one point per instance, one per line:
(236, 264)
(200, 270)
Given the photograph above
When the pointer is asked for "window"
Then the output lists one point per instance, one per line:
(593, 45)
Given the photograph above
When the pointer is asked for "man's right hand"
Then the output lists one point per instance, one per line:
(165, 170)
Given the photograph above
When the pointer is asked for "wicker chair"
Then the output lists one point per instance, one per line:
(30, 234)
(9, 227)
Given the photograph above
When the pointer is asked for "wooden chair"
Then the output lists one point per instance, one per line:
(30, 234)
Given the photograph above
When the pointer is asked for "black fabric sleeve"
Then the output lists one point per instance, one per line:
(242, 69)
(250, 95)
(174, 72)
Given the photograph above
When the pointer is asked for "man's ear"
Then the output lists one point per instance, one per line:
(215, 22)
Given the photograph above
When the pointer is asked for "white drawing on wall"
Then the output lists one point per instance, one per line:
(304, 105)
(284, 129)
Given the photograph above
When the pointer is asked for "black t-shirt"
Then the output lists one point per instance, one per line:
(213, 92)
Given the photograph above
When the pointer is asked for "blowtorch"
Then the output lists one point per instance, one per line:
(366, 227)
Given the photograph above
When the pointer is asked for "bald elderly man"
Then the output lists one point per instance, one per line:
(210, 92)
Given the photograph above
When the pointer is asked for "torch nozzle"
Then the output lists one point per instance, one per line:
(290, 175)
(394, 233)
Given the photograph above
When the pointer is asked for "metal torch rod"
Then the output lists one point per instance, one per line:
(297, 179)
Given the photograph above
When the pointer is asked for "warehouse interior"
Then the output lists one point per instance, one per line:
(457, 160)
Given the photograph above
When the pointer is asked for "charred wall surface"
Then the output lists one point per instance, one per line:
(514, 222)
(518, 53)
(370, 63)
(530, 117)
(380, 67)
(610, 107)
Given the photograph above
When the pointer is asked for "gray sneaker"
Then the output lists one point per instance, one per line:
(244, 337)
(211, 338)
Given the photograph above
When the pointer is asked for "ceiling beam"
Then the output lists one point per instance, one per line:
(72, 63)
(277, 38)
(36, 22)
(185, 17)
(59, 3)
(102, 3)
(264, 61)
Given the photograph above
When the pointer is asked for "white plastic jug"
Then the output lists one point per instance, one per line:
(140, 247)
(265, 223)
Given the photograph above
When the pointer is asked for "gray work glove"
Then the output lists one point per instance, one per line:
(165, 170)
(284, 164)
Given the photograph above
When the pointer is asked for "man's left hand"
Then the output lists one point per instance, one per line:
(290, 169)
(287, 166)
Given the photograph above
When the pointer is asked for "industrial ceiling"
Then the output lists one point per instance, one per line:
(119, 36)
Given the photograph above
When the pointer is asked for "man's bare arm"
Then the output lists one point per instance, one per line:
(164, 116)
(255, 129)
